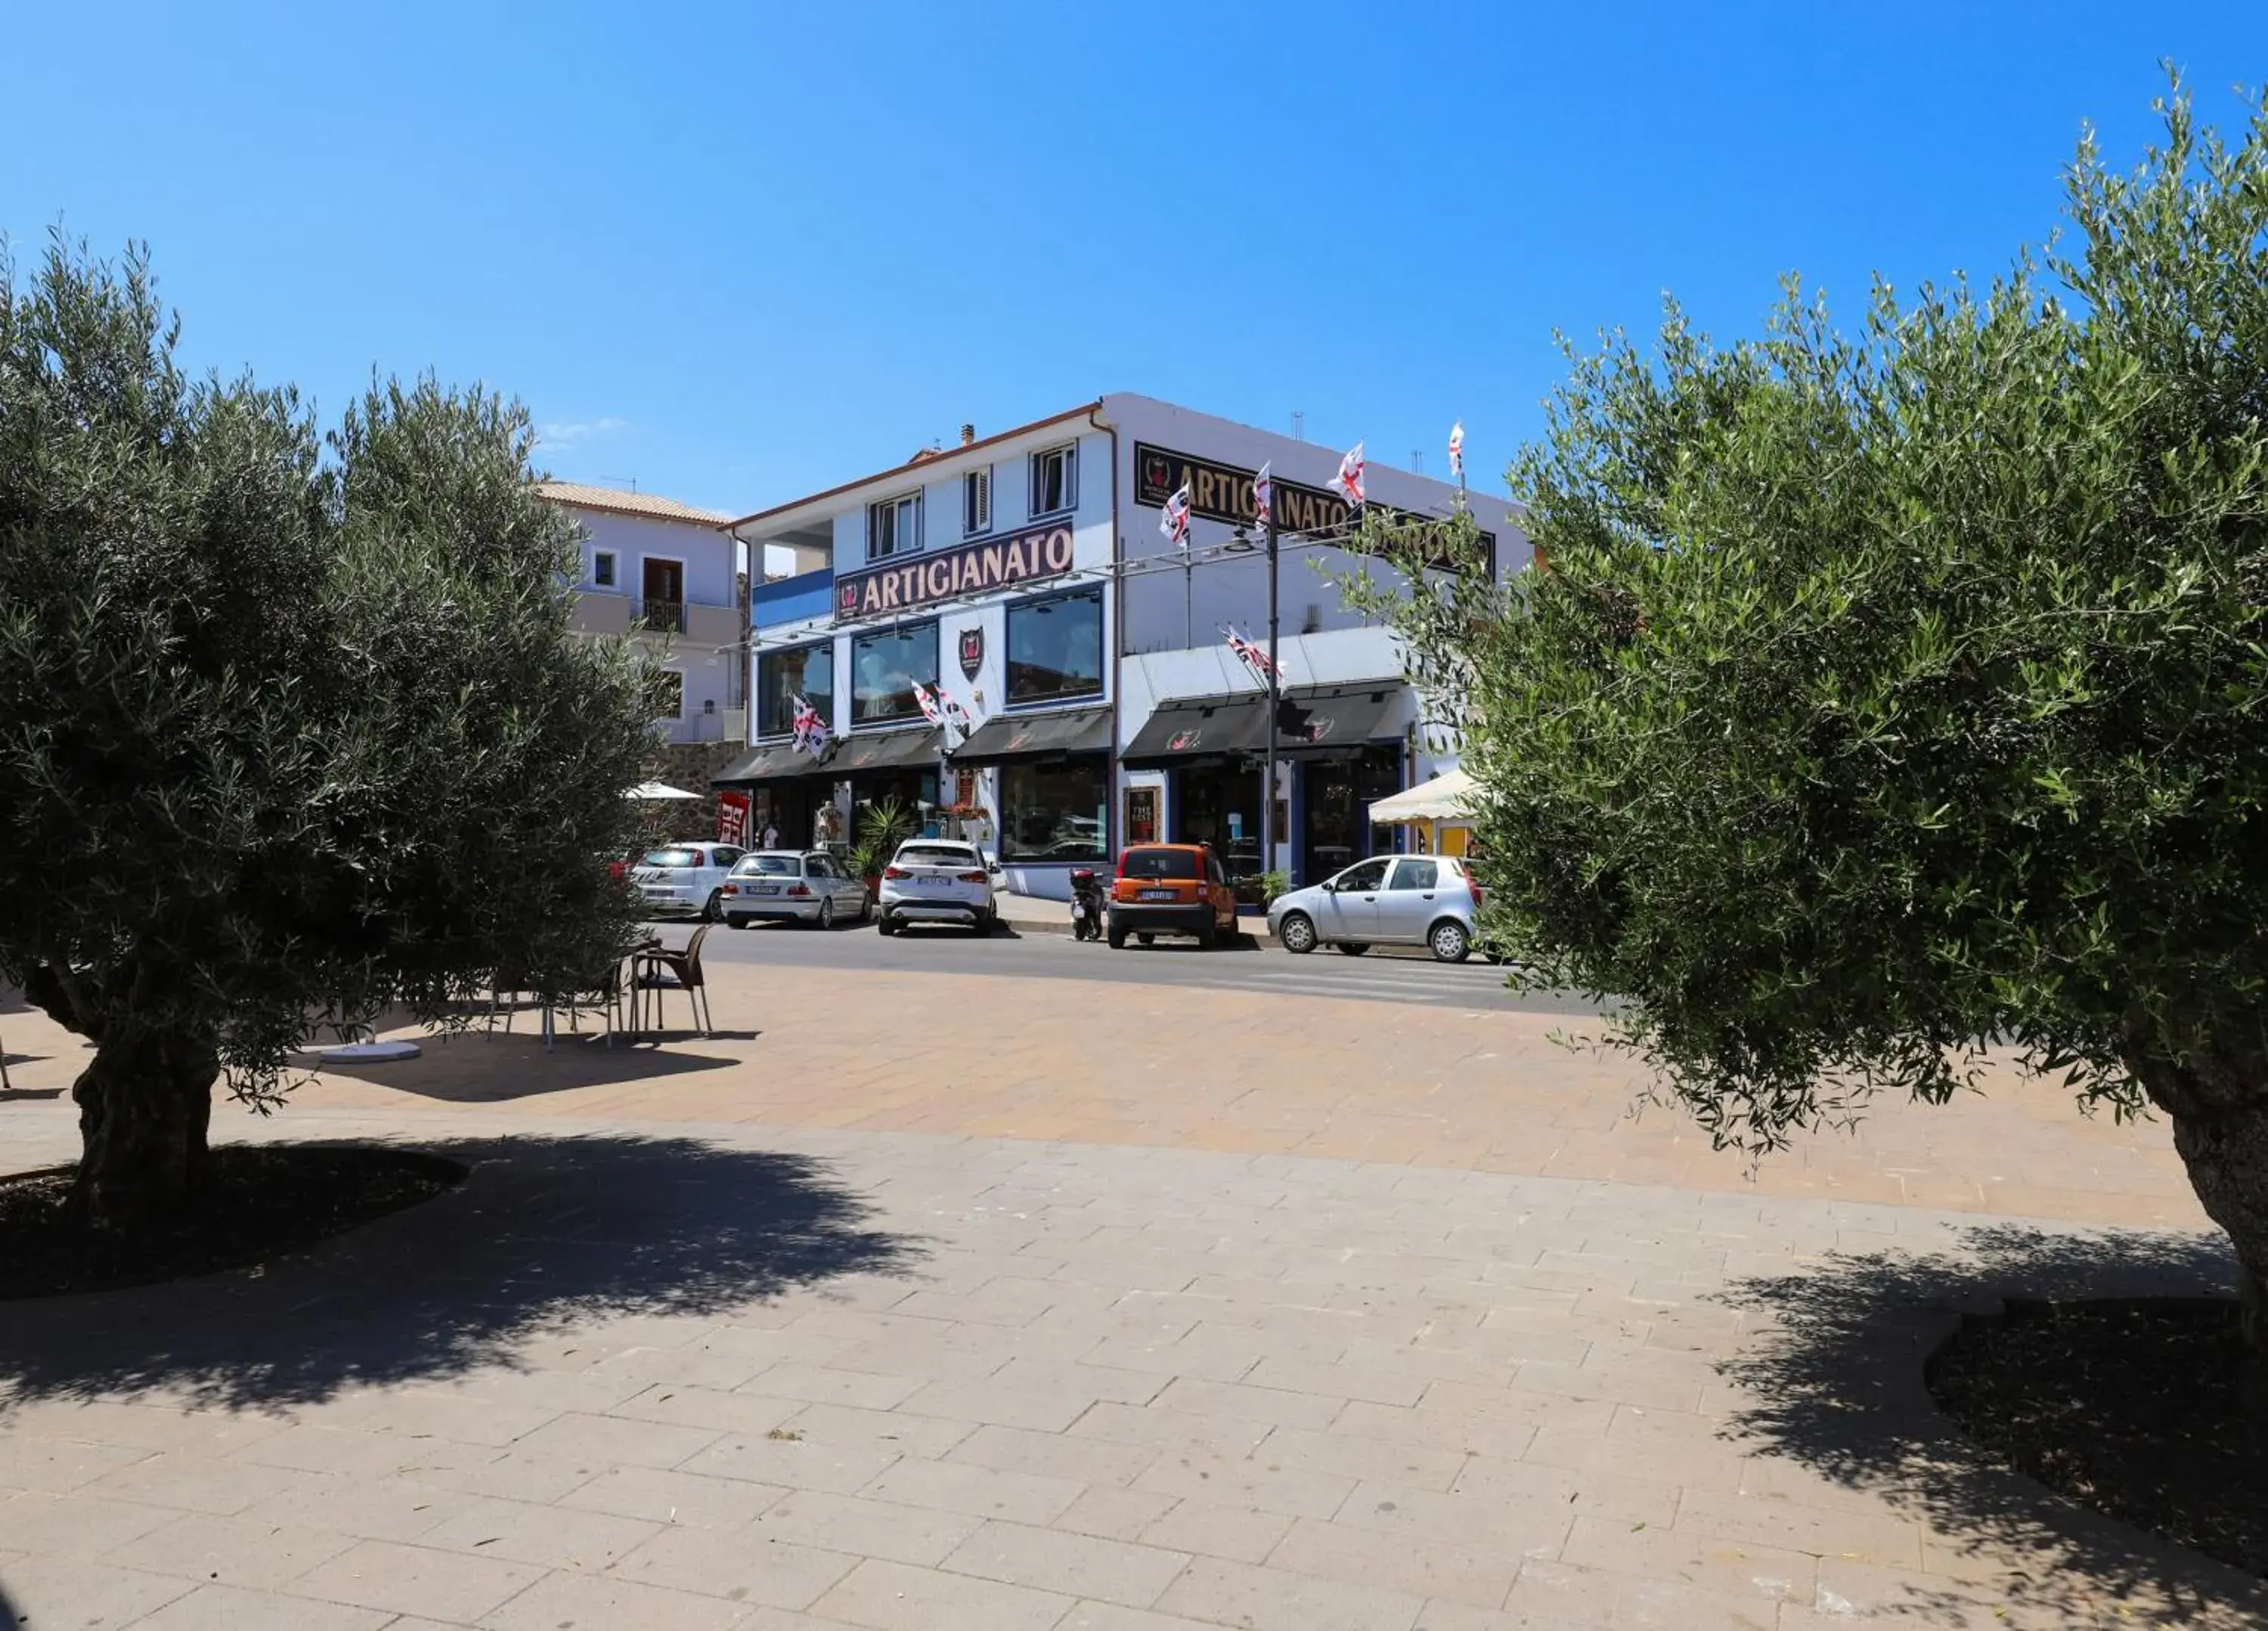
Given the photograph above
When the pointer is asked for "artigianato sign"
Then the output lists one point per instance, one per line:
(1223, 493)
(1026, 557)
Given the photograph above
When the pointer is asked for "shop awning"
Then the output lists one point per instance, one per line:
(1341, 719)
(781, 763)
(1037, 736)
(1189, 728)
(1440, 799)
(886, 750)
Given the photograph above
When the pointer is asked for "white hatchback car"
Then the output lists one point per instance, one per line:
(684, 880)
(937, 880)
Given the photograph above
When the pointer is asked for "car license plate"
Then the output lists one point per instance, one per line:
(661, 894)
(763, 889)
(1157, 895)
(935, 883)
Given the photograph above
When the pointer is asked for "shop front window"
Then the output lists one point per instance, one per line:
(1055, 648)
(884, 669)
(1219, 805)
(808, 671)
(1056, 811)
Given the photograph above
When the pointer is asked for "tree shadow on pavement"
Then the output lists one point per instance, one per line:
(545, 1236)
(1835, 1380)
(477, 1066)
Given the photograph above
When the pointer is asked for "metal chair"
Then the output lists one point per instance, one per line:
(679, 971)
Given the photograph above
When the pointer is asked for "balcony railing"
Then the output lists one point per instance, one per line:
(658, 617)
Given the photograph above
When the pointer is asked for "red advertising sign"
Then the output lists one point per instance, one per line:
(732, 818)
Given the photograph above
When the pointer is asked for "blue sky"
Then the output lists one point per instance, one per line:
(740, 253)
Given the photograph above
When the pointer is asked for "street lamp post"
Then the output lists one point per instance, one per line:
(1275, 691)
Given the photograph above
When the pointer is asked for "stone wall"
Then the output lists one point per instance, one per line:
(690, 765)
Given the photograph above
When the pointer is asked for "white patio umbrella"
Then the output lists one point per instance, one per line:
(658, 790)
(1440, 799)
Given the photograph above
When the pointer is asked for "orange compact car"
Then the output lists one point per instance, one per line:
(1171, 889)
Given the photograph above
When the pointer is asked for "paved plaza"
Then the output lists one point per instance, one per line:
(922, 1300)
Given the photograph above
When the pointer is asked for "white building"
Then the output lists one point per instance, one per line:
(1028, 573)
(667, 575)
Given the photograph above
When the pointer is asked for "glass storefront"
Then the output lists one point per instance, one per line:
(885, 667)
(1055, 648)
(808, 671)
(1056, 811)
(1338, 794)
(1219, 805)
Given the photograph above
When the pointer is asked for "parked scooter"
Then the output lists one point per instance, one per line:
(1086, 905)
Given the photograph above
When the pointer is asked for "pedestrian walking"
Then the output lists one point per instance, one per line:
(771, 834)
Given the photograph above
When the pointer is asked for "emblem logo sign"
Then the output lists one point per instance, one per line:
(972, 652)
(1182, 741)
(981, 567)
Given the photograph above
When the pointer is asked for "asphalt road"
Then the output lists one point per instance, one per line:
(1380, 977)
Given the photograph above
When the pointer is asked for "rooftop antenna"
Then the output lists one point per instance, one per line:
(1299, 426)
(1416, 462)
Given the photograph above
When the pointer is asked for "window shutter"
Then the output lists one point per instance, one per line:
(979, 516)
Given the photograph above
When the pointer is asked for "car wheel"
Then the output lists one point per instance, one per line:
(1297, 931)
(713, 907)
(740, 923)
(1450, 941)
(1118, 938)
(827, 913)
(1208, 935)
(866, 907)
(884, 926)
(1147, 939)
(1353, 948)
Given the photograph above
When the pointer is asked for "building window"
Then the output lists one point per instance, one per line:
(808, 671)
(1055, 648)
(1055, 480)
(977, 503)
(669, 695)
(602, 570)
(1056, 811)
(884, 669)
(893, 527)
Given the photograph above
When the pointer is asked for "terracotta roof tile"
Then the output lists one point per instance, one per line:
(616, 501)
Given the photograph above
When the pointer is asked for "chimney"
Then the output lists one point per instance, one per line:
(968, 434)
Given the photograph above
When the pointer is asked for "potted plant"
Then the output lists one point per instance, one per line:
(882, 827)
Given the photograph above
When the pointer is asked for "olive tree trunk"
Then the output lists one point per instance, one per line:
(2219, 1109)
(144, 1104)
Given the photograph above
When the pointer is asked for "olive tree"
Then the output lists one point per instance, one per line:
(1880, 701)
(288, 722)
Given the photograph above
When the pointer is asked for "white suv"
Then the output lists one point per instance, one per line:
(683, 879)
(937, 880)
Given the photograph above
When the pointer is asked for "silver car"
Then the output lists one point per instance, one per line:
(1427, 900)
(792, 885)
(938, 880)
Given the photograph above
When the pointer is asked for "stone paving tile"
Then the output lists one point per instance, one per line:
(234, 1551)
(903, 1535)
(75, 1525)
(1277, 1599)
(1238, 1535)
(894, 1597)
(1479, 1576)
(671, 1495)
(549, 1536)
(792, 1463)
(367, 1508)
(978, 1491)
(600, 1601)
(58, 1466)
(743, 1565)
(1054, 1455)
(51, 1591)
(212, 1607)
(193, 1483)
(416, 1580)
(1110, 1571)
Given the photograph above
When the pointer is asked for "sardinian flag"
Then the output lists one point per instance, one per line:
(1263, 498)
(1174, 524)
(927, 704)
(1251, 656)
(1457, 450)
(1349, 479)
(949, 705)
(812, 735)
